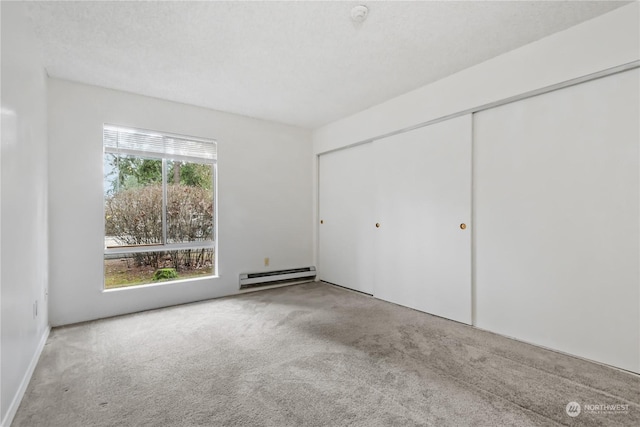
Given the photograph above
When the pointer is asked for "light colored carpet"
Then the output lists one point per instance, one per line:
(309, 355)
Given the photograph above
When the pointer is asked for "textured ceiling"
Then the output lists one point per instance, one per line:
(300, 63)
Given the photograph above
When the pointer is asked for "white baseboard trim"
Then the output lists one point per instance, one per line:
(15, 403)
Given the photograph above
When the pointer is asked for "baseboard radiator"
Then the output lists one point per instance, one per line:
(266, 278)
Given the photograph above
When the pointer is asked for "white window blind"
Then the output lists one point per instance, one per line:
(153, 144)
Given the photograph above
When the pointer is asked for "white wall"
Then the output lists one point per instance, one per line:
(264, 198)
(24, 206)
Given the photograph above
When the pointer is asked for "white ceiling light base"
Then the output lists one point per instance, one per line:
(359, 13)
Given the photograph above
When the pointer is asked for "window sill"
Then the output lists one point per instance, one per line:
(164, 283)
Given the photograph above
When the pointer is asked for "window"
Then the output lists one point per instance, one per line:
(159, 207)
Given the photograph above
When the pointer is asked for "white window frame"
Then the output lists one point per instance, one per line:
(167, 247)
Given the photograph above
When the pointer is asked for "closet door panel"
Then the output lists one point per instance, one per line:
(557, 220)
(423, 197)
(346, 204)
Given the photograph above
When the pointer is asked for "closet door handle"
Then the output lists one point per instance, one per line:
(377, 225)
(463, 226)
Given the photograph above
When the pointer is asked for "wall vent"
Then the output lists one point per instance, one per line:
(251, 280)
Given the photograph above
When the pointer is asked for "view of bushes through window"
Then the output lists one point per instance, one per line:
(159, 219)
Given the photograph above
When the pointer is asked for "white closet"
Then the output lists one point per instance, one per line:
(555, 209)
(395, 218)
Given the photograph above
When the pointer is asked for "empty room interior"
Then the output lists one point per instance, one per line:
(308, 213)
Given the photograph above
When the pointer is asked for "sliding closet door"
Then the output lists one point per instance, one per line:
(346, 202)
(423, 207)
(557, 221)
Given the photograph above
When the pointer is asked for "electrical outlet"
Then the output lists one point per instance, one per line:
(266, 262)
